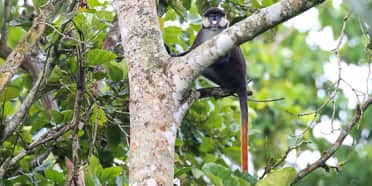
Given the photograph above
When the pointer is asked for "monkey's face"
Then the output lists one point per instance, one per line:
(215, 19)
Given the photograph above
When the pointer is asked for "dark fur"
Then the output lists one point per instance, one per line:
(229, 72)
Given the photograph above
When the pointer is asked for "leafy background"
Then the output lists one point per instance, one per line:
(282, 63)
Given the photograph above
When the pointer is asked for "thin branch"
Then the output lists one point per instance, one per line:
(16, 57)
(94, 136)
(217, 92)
(281, 160)
(4, 27)
(18, 117)
(334, 147)
(79, 96)
(333, 94)
(266, 100)
(63, 36)
(52, 134)
(4, 48)
(338, 57)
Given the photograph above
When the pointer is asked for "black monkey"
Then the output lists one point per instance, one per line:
(229, 71)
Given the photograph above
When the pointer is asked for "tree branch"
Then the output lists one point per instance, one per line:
(334, 147)
(79, 96)
(216, 92)
(4, 49)
(53, 133)
(274, 165)
(185, 69)
(16, 57)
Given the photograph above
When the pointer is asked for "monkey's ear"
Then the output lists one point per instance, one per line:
(205, 22)
(224, 22)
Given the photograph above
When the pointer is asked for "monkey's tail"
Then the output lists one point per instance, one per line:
(242, 94)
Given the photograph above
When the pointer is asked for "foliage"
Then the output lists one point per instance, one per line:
(282, 63)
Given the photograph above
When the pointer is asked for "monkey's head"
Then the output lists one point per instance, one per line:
(215, 19)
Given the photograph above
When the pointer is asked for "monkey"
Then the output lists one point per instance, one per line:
(229, 71)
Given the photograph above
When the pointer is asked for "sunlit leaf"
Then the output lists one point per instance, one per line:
(15, 34)
(99, 56)
(282, 177)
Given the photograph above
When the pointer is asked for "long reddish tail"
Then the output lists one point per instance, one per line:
(244, 129)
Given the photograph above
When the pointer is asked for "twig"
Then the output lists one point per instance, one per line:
(337, 53)
(60, 33)
(334, 147)
(217, 92)
(94, 136)
(281, 160)
(53, 133)
(267, 100)
(333, 95)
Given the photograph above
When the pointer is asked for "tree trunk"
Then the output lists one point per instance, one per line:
(152, 123)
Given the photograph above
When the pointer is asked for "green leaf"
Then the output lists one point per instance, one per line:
(15, 35)
(24, 163)
(217, 170)
(206, 145)
(215, 180)
(55, 75)
(232, 181)
(197, 173)
(57, 116)
(38, 3)
(187, 4)
(282, 177)
(9, 108)
(171, 33)
(110, 173)
(181, 171)
(114, 71)
(170, 16)
(179, 8)
(93, 171)
(26, 134)
(266, 3)
(124, 68)
(246, 176)
(242, 181)
(99, 56)
(217, 173)
(9, 93)
(82, 23)
(55, 176)
(93, 3)
(98, 116)
(234, 153)
(95, 165)
(67, 115)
